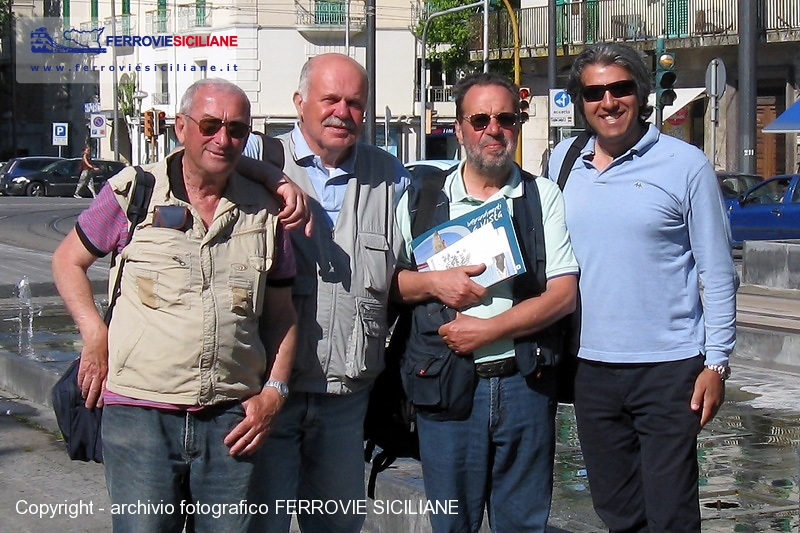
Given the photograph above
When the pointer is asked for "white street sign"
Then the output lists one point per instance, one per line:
(562, 110)
(60, 133)
(97, 126)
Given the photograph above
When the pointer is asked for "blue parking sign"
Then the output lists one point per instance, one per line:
(60, 133)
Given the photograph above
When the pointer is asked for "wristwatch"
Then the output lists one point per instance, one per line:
(280, 386)
(724, 371)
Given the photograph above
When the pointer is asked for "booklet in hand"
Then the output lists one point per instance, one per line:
(482, 236)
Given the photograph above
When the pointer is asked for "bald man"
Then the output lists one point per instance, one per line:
(344, 270)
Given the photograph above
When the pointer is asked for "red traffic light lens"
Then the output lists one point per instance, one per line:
(162, 115)
(524, 93)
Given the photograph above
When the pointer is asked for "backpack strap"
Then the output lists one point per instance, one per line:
(139, 200)
(529, 225)
(425, 200)
(573, 152)
(271, 150)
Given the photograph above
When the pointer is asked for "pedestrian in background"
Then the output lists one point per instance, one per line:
(86, 168)
(649, 229)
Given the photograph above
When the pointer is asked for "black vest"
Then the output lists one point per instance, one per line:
(438, 382)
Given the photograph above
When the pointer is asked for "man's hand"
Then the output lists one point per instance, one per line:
(455, 287)
(709, 394)
(466, 334)
(296, 212)
(93, 370)
(249, 434)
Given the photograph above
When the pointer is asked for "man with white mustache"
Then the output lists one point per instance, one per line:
(344, 270)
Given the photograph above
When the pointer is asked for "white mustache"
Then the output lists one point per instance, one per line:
(339, 123)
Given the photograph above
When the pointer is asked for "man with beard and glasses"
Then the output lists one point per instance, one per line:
(341, 292)
(497, 451)
(649, 229)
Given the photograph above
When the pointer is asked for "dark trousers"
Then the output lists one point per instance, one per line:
(639, 440)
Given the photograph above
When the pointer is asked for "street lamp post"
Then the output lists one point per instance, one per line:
(138, 96)
(423, 71)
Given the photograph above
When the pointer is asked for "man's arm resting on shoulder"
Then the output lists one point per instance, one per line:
(70, 263)
(466, 333)
(280, 339)
(295, 213)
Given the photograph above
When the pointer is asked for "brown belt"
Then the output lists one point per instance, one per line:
(497, 369)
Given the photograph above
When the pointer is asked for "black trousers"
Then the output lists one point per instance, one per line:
(639, 440)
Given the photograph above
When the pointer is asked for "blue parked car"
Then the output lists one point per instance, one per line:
(767, 211)
(732, 184)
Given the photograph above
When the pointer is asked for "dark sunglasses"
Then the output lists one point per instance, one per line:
(480, 121)
(618, 89)
(210, 126)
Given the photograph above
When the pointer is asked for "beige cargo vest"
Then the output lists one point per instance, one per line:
(185, 327)
(341, 289)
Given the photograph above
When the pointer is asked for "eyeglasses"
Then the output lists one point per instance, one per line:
(618, 89)
(210, 126)
(480, 121)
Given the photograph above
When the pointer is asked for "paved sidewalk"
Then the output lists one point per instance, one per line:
(748, 454)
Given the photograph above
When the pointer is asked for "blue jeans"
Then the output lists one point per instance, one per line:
(500, 457)
(173, 458)
(315, 451)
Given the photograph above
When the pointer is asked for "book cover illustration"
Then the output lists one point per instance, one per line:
(482, 236)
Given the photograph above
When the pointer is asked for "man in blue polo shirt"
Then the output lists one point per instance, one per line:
(649, 228)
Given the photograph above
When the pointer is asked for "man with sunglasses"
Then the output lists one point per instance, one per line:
(498, 451)
(649, 228)
(193, 365)
(344, 269)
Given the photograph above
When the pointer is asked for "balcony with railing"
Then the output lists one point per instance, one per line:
(581, 22)
(124, 25)
(194, 16)
(89, 25)
(157, 21)
(160, 98)
(435, 94)
(330, 16)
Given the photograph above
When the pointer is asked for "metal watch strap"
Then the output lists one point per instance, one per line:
(724, 371)
(280, 386)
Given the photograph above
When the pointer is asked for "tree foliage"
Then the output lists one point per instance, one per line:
(5, 16)
(451, 37)
(125, 89)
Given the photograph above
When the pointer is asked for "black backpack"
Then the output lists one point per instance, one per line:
(571, 324)
(81, 427)
(390, 423)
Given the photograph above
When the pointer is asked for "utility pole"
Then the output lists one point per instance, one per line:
(552, 66)
(486, 35)
(12, 40)
(369, 127)
(748, 40)
(423, 81)
(116, 80)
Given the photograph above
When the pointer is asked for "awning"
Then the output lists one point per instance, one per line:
(683, 97)
(787, 122)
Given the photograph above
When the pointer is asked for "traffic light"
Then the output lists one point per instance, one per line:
(665, 77)
(524, 103)
(149, 124)
(161, 123)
